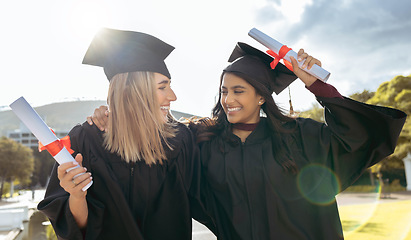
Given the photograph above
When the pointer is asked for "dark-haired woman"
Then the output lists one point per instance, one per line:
(276, 177)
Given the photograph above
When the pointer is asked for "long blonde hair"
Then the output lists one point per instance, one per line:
(136, 128)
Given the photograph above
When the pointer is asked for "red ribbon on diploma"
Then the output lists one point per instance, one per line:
(56, 146)
(277, 57)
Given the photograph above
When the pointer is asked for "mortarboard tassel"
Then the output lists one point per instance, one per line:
(291, 104)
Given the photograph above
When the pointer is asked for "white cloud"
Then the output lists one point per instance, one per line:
(362, 43)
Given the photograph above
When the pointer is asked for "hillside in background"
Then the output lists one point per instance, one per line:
(59, 116)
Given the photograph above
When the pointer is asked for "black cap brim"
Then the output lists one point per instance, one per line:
(119, 51)
(256, 65)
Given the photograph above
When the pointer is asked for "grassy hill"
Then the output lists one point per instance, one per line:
(59, 116)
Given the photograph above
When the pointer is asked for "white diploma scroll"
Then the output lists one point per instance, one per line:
(39, 128)
(275, 46)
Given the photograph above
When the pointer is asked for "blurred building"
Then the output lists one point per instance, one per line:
(24, 136)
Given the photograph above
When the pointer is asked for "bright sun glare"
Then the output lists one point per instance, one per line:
(87, 17)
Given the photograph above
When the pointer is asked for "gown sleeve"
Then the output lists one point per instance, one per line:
(190, 170)
(354, 137)
(322, 89)
(56, 207)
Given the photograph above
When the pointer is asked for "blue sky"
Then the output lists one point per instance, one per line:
(362, 43)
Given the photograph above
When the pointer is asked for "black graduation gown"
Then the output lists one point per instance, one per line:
(130, 201)
(250, 196)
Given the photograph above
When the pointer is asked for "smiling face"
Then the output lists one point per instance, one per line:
(239, 100)
(165, 95)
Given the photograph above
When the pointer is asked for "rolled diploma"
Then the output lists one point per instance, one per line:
(275, 46)
(40, 129)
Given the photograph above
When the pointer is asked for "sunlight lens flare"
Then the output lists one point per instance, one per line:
(318, 184)
(87, 17)
(356, 217)
(376, 219)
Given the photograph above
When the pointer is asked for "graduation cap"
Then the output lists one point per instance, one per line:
(119, 51)
(256, 65)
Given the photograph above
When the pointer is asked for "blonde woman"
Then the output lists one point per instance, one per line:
(145, 167)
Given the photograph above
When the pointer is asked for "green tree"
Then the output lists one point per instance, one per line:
(362, 97)
(16, 162)
(394, 93)
(42, 168)
(397, 94)
(51, 235)
(316, 113)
